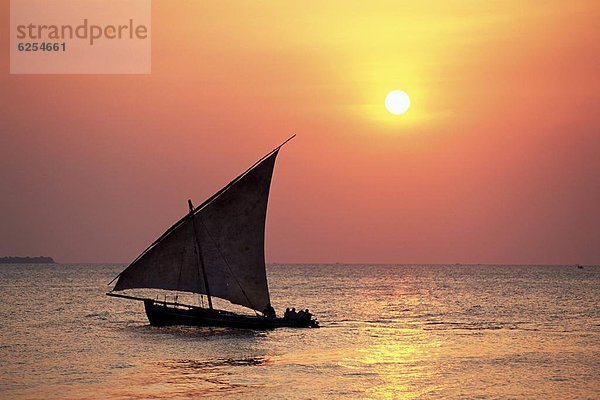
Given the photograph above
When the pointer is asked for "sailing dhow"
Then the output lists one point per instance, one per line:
(216, 250)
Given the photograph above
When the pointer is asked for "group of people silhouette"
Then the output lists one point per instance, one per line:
(302, 315)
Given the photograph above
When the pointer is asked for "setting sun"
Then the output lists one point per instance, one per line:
(397, 102)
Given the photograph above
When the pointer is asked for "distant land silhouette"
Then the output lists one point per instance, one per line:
(26, 260)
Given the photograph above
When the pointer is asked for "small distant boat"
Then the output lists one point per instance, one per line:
(216, 250)
(579, 266)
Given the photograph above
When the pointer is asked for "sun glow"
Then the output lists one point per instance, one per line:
(397, 102)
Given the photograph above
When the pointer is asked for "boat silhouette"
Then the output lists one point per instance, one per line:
(216, 250)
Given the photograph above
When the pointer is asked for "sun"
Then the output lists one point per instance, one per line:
(397, 102)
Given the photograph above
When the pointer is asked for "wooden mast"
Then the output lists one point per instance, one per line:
(199, 255)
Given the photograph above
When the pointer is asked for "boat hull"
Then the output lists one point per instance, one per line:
(160, 314)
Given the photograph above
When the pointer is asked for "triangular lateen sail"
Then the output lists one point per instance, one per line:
(230, 230)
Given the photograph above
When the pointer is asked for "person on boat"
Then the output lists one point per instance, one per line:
(307, 315)
(286, 315)
(301, 315)
(269, 312)
(293, 314)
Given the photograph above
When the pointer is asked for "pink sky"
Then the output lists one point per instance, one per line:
(495, 162)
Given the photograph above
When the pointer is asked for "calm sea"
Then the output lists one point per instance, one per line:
(393, 331)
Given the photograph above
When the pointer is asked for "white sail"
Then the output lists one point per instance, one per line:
(227, 241)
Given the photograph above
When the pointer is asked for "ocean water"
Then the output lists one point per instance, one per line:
(388, 332)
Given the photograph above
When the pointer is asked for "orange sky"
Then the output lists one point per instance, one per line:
(495, 162)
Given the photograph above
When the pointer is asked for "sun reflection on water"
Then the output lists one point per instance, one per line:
(398, 358)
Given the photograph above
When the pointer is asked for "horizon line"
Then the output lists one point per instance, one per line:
(374, 263)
